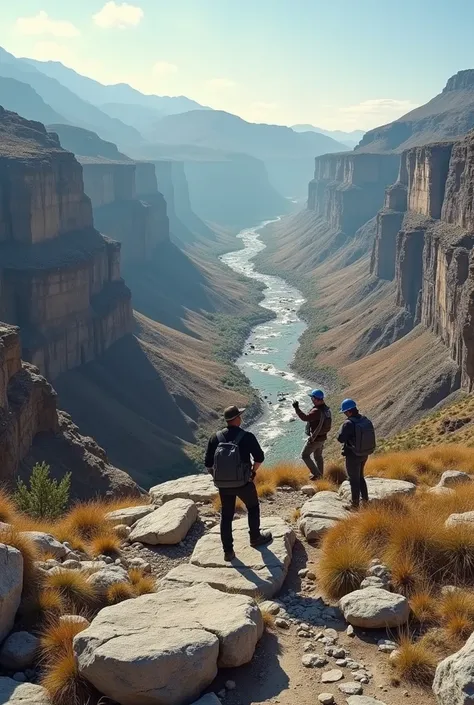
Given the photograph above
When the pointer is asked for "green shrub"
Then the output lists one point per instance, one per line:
(46, 498)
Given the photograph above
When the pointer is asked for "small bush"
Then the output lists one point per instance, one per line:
(87, 520)
(50, 602)
(424, 607)
(335, 473)
(119, 592)
(415, 663)
(56, 638)
(456, 611)
(61, 676)
(406, 576)
(45, 498)
(342, 568)
(72, 585)
(107, 544)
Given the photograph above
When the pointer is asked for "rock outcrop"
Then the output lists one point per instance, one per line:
(11, 585)
(430, 256)
(60, 279)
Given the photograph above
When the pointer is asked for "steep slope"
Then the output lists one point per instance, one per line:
(286, 154)
(21, 98)
(449, 115)
(350, 139)
(85, 142)
(65, 102)
(120, 93)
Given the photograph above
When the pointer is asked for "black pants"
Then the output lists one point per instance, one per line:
(355, 470)
(248, 495)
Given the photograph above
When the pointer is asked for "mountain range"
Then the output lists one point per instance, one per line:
(350, 139)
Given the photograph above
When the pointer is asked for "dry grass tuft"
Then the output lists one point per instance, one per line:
(456, 611)
(424, 607)
(145, 586)
(406, 577)
(342, 567)
(14, 538)
(415, 662)
(324, 485)
(265, 489)
(239, 505)
(421, 465)
(72, 585)
(268, 620)
(56, 638)
(87, 520)
(334, 472)
(8, 510)
(295, 515)
(106, 544)
(60, 675)
(283, 475)
(119, 592)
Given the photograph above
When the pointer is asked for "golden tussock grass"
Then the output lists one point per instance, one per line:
(239, 505)
(7, 508)
(295, 515)
(73, 587)
(265, 489)
(283, 475)
(456, 611)
(423, 465)
(106, 544)
(50, 602)
(142, 584)
(415, 662)
(342, 568)
(334, 472)
(61, 677)
(324, 485)
(268, 620)
(119, 592)
(56, 637)
(424, 607)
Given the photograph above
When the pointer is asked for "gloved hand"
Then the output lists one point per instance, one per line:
(295, 404)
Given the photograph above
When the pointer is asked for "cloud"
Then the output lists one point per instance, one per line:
(219, 84)
(164, 68)
(118, 16)
(51, 51)
(42, 23)
(376, 111)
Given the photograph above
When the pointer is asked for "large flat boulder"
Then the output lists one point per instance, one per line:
(13, 693)
(199, 488)
(168, 524)
(254, 571)
(129, 515)
(320, 513)
(464, 519)
(454, 679)
(374, 608)
(165, 648)
(380, 488)
(11, 585)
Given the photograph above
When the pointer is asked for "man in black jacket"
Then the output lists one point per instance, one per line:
(355, 464)
(252, 454)
(318, 421)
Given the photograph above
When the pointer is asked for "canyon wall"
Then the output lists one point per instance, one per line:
(60, 279)
(430, 255)
(348, 188)
(127, 205)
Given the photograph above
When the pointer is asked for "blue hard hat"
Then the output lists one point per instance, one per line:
(347, 405)
(317, 394)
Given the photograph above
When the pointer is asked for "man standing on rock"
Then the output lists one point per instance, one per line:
(357, 436)
(318, 425)
(233, 457)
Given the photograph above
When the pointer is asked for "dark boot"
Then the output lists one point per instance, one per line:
(229, 556)
(264, 538)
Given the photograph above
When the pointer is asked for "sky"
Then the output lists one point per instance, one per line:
(336, 64)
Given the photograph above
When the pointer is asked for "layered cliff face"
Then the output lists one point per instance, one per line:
(32, 430)
(60, 278)
(348, 189)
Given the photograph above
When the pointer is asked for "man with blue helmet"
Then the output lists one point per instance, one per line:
(318, 424)
(357, 436)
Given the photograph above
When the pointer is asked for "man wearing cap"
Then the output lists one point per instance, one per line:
(318, 421)
(357, 437)
(252, 454)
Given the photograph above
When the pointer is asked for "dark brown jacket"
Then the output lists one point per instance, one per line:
(313, 418)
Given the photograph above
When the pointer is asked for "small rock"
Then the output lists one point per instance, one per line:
(20, 677)
(313, 661)
(332, 676)
(308, 490)
(75, 619)
(386, 646)
(351, 688)
(326, 698)
(270, 607)
(282, 623)
(303, 573)
(339, 653)
(331, 634)
(71, 564)
(311, 576)
(350, 631)
(19, 650)
(341, 662)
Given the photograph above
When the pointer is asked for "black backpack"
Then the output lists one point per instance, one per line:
(229, 471)
(364, 432)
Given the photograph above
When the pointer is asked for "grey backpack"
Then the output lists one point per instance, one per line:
(365, 443)
(229, 471)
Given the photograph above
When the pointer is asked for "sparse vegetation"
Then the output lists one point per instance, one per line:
(61, 676)
(119, 592)
(342, 568)
(106, 544)
(45, 498)
(73, 587)
(415, 662)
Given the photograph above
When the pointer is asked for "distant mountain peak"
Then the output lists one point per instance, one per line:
(462, 80)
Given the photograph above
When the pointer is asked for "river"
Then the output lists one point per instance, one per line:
(268, 354)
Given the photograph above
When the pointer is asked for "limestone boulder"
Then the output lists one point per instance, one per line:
(165, 648)
(169, 524)
(374, 608)
(441, 491)
(451, 478)
(129, 515)
(18, 651)
(380, 488)
(464, 519)
(255, 571)
(14, 693)
(103, 579)
(454, 679)
(11, 585)
(46, 543)
(320, 513)
(199, 488)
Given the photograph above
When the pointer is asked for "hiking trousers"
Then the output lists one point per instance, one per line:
(248, 495)
(355, 471)
(315, 449)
